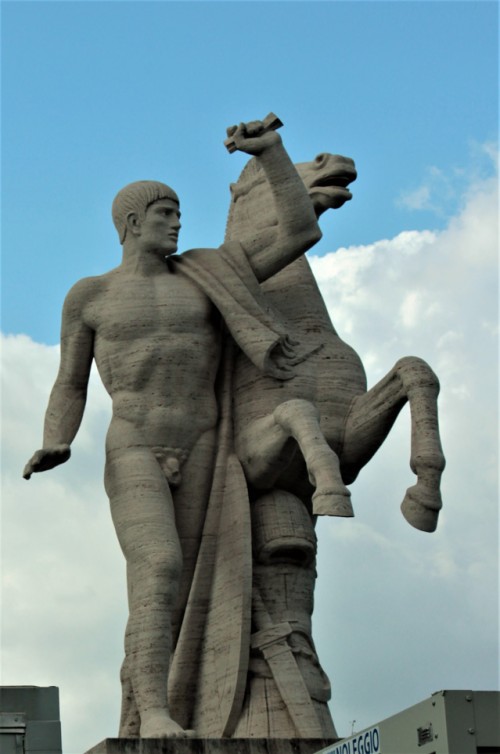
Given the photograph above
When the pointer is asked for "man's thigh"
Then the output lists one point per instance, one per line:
(191, 501)
(141, 505)
(191, 497)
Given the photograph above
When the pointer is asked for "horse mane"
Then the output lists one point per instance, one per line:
(250, 177)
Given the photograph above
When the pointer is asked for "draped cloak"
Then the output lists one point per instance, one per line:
(210, 662)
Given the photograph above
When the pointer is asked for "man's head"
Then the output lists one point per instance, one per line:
(135, 198)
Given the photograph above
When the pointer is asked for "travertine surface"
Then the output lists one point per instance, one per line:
(238, 416)
(336, 423)
(305, 439)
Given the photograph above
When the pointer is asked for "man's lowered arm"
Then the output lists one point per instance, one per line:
(297, 229)
(67, 399)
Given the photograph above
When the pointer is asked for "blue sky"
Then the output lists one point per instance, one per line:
(98, 94)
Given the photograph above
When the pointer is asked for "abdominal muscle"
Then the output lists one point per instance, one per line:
(162, 396)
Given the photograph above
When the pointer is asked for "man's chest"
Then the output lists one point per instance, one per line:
(135, 307)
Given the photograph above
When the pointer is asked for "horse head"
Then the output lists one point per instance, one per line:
(326, 179)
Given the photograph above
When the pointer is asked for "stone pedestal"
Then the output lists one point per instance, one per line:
(211, 745)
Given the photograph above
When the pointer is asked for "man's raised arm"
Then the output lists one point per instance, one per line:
(297, 229)
(67, 399)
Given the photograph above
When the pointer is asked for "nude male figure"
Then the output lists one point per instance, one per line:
(155, 337)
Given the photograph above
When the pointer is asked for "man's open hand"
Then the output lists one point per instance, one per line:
(46, 458)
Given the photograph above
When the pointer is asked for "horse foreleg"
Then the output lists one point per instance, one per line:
(370, 420)
(266, 447)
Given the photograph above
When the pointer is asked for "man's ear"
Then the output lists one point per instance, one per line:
(133, 223)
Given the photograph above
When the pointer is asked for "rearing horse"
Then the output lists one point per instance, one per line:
(320, 428)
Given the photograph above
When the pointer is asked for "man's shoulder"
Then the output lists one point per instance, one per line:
(231, 252)
(88, 288)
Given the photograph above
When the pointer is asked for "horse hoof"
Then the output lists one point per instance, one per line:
(421, 507)
(332, 504)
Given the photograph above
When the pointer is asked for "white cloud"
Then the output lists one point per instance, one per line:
(419, 198)
(409, 607)
(442, 192)
(399, 613)
(63, 574)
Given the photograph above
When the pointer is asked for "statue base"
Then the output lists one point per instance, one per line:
(211, 745)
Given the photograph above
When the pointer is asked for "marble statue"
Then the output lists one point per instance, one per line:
(326, 409)
(300, 442)
(238, 416)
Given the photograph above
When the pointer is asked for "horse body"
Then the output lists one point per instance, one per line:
(333, 375)
(300, 441)
(320, 428)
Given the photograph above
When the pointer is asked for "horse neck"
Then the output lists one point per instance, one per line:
(295, 293)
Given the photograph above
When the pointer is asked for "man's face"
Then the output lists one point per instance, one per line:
(160, 227)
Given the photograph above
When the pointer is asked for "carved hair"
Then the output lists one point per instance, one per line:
(136, 197)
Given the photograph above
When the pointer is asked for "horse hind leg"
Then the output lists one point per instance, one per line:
(372, 416)
(422, 502)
